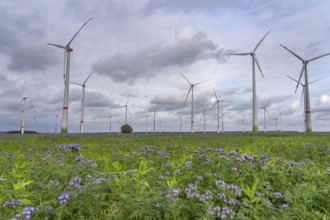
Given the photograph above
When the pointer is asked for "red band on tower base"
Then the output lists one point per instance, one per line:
(66, 108)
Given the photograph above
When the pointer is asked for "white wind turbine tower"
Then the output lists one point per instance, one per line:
(204, 110)
(146, 123)
(243, 120)
(83, 86)
(280, 116)
(192, 100)
(154, 121)
(22, 113)
(217, 102)
(67, 51)
(303, 94)
(255, 126)
(265, 110)
(307, 99)
(222, 121)
(126, 110)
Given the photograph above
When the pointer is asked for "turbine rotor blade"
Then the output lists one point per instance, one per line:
(302, 94)
(76, 83)
(301, 73)
(200, 82)
(240, 54)
(187, 95)
(77, 33)
(262, 39)
(127, 102)
(258, 65)
(294, 54)
(215, 95)
(318, 57)
(185, 78)
(56, 45)
(65, 64)
(267, 112)
(88, 78)
(316, 80)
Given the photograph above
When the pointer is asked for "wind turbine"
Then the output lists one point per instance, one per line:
(56, 124)
(154, 121)
(147, 123)
(82, 102)
(255, 126)
(204, 110)
(217, 102)
(303, 94)
(22, 112)
(180, 123)
(222, 121)
(307, 99)
(265, 110)
(191, 89)
(243, 120)
(280, 116)
(125, 106)
(67, 51)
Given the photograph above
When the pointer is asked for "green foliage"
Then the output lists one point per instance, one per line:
(167, 177)
(126, 129)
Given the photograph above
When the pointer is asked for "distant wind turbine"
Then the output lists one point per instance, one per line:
(222, 121)
(126, 110)
(303, 95)
(265, 111)
(22, 113)
(82, 102)
(255, 126)
(67, 51)
(204, 110)
(217, 102)
(191, 89)
(307, 101)
(243, 120)
(280, 116)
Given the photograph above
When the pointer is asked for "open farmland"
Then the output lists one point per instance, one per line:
(234, 176)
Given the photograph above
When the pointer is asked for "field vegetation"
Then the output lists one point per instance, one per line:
(234, 176)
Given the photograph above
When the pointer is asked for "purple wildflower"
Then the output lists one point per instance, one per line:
(328, 172)
(200, 178)
(188, 164)
(75, 182)
(61, 147)
(63, 198)
(257, 194)
(74, 147)
(278, 195)
(78, 158)
(12, 204)
(130, 173)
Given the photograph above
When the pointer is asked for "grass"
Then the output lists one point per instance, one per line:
(264, 176)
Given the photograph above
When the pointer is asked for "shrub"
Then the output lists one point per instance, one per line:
(126, 128)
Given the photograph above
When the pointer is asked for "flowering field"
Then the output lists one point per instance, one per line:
(284, 176)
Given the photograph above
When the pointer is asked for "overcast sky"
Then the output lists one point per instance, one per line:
(137, 50)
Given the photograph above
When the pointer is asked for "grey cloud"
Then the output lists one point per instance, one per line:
(128, 66)
(168, 102)
(22, 41)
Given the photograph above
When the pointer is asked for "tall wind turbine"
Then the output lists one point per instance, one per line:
(191, 89)
(265, 111)
(280, 116)
(307, 99)
(22, 113)
(255, 126)
(82, 103)
(67, 51)
(217, 102)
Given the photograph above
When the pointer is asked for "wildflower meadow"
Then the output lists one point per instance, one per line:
(232, 176)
